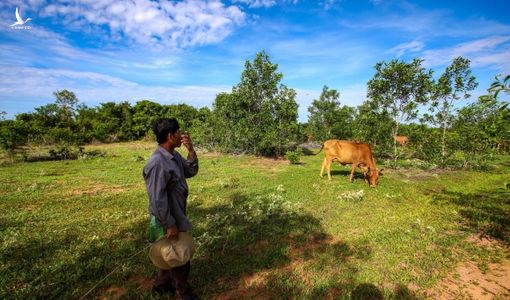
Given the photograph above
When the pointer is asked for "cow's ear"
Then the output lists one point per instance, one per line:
(380, 172)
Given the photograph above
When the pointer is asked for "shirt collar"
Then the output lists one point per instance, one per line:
(165, 153)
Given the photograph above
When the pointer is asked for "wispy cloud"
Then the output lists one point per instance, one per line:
(257, 3)
(491, 51)
(413, 46)
(93, 88)
(264, 3)
(330, 4)
(403, 17)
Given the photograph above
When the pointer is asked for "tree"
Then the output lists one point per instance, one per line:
(398, 88)
(145, 113)
(372, 126)
(259, 116)
(115, 122)
(454, 84)
(500, 85)
(66, 101)
(484, 126)
(488, 120)
(323, 113)
(86, 118)
(202, 129)
(184, 113)
(13, 135)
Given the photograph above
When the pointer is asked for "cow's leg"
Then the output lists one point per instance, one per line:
(323, 166)
(354, 166)
(329, 168)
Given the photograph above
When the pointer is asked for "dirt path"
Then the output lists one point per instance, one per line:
(469, 282)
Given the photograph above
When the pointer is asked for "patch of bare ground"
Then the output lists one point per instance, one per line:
(467, 281)
(210, 154)
(416, 174)
(268, 164)
(256, 285)
(98, 189)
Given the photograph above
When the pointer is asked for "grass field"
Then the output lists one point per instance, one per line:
(264, 229)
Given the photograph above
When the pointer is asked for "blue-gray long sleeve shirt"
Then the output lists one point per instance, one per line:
(165, 179)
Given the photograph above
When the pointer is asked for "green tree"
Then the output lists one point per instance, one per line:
(323, 114)
(454, 84)
(484, 126)
(500, 85)
(373, 126)
(13, 135)
(488, 119)
(328, 119)
(115, 122)
(202, 129)
(398, 88)
(184, 113)
(145, 113)
(86, 117)
(66, 101)
(259, 116)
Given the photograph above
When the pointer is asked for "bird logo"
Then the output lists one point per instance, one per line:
(19, 19)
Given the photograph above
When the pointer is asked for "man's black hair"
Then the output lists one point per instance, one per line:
(163, 126)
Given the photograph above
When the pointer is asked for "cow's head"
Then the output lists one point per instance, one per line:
(372, 176)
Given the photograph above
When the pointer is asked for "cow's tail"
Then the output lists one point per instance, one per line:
(322, 147)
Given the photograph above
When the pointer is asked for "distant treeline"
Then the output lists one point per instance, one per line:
(259, 116)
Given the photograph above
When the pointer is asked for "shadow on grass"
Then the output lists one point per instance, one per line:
(256, 246)
(486, 211)
(58, 266)
(246, 249)
(260, 247)
(344, 173)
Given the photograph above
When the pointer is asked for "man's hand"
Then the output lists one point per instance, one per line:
(186, 141)
(172, 233)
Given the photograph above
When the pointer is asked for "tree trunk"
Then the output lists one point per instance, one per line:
(395, 132)
(443, 145)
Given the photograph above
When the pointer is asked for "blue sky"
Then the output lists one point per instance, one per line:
(189, 51)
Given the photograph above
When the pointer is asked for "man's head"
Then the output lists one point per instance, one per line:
(167, 131)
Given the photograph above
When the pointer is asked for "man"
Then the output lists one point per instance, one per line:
(165, 179)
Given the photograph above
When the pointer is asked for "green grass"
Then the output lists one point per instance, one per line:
(264, 228)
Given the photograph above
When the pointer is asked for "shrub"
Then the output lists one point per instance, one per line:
(294, 157)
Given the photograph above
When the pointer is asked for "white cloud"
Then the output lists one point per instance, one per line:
(257, 3)
(492, 51)
(175, 24)
(413, 46)
(94, 88)
(329, 4)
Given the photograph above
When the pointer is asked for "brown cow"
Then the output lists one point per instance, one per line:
(356, 154)
(402, 140)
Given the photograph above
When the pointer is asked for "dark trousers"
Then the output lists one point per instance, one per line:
(178, 277)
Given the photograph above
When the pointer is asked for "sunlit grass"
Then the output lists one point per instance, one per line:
(264, 228)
